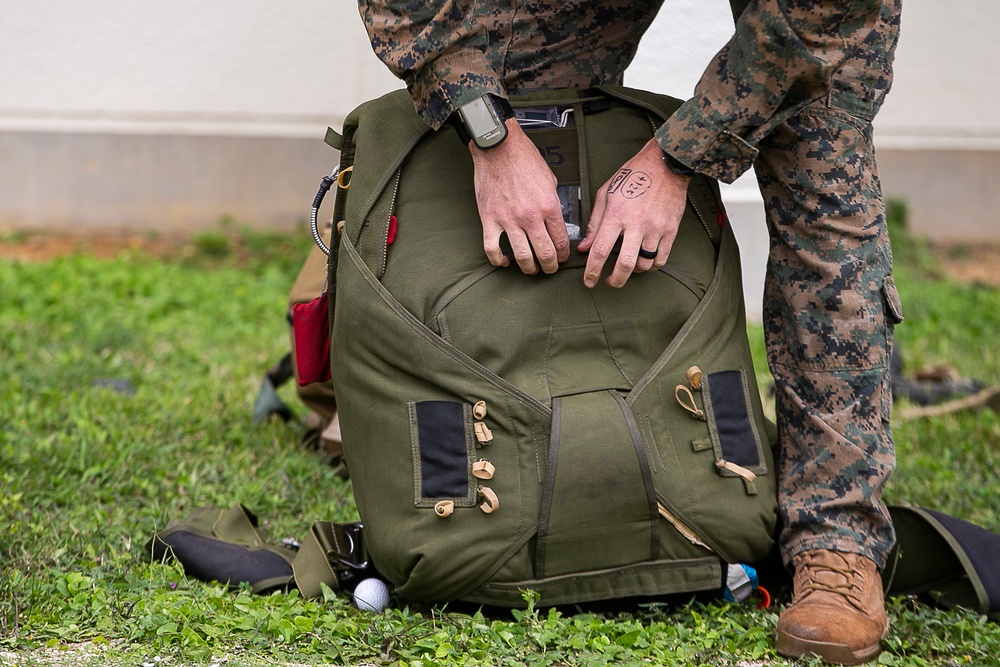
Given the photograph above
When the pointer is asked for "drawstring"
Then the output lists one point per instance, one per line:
(681, 393)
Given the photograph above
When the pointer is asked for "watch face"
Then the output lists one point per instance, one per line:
(479, 116)
(483, 123)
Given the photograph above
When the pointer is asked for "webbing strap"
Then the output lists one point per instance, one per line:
(239, 526)
(224, 545)
(334, 139)
(312, 563)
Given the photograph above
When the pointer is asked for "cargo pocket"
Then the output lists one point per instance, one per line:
(894, 316)
(738, 448)
(443, 453)
(893, 306)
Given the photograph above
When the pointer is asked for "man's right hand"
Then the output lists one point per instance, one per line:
(516, 193)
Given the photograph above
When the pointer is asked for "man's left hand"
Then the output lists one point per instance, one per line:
(642, 203)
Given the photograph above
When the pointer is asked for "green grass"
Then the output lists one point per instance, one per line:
(87, 475)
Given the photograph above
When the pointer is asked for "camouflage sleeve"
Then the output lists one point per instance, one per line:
(436, 47)
(782, 57)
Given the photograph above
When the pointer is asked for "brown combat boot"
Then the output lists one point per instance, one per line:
(838, 610)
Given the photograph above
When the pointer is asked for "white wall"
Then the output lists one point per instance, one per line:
(234, 67)
(78, 79)
(287, 68)
(947, 88)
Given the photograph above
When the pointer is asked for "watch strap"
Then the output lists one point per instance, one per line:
(676, 166)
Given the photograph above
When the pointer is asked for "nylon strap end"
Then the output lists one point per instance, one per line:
(334, 139)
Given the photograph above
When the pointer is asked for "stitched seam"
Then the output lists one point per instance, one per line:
(607, 340)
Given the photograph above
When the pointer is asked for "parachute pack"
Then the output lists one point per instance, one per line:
(507, 431)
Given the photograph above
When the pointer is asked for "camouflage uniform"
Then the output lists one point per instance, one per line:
(793, 93)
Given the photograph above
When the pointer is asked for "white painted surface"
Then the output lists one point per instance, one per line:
(947, 86)
(269, 69)
(254, 67)
(286, 69)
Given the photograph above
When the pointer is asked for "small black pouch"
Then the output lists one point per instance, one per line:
(225, 546)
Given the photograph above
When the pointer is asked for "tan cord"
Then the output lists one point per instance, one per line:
(483, 469)
(681, 528)
(747, 476)
(693, 408)
(492, 504)
(483, 433)
(693, 376)
(479, 410)
(341, 183)
(444, 508)
(736, 470)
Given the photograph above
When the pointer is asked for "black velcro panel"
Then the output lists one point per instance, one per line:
(209, 559)
(444, 458)
(982, 548)
(729, 412)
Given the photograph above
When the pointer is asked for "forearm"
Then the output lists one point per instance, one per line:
(436, 48)
(782, 57)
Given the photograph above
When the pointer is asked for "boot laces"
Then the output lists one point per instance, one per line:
(846, 583)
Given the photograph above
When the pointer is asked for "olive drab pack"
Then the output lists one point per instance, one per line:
(506, 431)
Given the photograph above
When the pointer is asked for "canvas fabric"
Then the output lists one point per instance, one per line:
(605, 484)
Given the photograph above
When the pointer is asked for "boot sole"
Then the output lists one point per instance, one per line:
(841, 654)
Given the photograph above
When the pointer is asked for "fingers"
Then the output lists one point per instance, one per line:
(491, 244)
(607, 228)
(644, 244)
(521, 247)
(546, 234)
(641, 204)
(556, 228)
(538, 243)
(596, 218)
(648, 255)
(516, 194)
(636, 255)
(630, 260)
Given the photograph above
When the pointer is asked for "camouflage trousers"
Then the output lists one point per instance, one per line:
(829, 310)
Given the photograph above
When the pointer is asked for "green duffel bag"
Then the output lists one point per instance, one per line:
(509, 432)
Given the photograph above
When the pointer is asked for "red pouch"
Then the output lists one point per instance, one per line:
(311, 329)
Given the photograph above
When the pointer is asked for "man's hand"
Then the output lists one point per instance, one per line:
(516, 193)
(643, 204)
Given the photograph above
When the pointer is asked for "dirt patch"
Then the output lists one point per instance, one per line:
(34, 247)
(969, 262)
(966, 261)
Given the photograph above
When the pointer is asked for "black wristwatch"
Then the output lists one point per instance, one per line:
(676, 166)
(482, 121)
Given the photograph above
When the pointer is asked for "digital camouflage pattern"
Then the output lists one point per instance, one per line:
(782, 57)
(451, 51)
(829, 308)
(793, 93)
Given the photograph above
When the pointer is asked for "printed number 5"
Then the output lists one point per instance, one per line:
(552, 155)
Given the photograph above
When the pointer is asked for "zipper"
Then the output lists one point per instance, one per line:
(388, 223)
(702, 218)
(682, 527)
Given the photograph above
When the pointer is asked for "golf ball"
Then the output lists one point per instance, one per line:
(371, 595)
